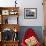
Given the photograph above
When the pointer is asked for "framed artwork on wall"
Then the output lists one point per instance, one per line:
(5, 12)
(30, 13)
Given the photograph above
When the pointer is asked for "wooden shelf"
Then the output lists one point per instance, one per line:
(9, 8)
(10, 26)
(9, 43)
(4, 13)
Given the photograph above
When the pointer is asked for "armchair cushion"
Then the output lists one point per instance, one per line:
(30, 38)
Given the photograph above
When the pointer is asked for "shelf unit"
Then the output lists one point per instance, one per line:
(7, 23)
(8, 11)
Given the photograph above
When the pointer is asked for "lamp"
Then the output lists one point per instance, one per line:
(15, 37)
(15, 3)
(15, 30)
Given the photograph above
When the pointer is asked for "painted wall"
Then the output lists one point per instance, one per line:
(31, 4)
(36, 29)
(27, 4)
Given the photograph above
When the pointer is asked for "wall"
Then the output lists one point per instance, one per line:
(27, 4)
(31, 4)
(37, 29)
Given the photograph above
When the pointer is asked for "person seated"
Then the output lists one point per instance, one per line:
(30, 38)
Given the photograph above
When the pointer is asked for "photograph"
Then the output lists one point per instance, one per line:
(30, 13)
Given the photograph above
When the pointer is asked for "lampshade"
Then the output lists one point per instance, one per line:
(15, 30)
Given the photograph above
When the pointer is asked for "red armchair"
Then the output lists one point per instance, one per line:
(30, 34)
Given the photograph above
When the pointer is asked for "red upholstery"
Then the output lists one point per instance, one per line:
(29, 33)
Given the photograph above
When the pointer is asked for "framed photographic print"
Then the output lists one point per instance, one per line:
(5, 12)
(30, 13)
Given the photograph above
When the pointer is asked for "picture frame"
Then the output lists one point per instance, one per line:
(13, 12)
(5, 12)
(30, 13)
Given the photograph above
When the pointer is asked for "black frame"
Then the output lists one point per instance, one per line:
(30, 16)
